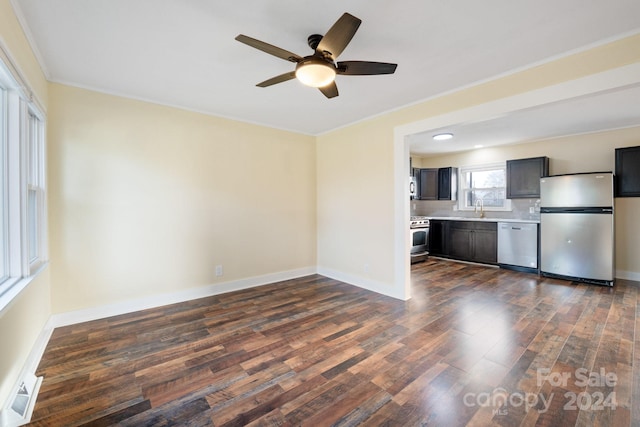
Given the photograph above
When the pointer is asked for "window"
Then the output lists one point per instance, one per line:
(484, 185)
(35, 189)
(22, 184)
(4, 248)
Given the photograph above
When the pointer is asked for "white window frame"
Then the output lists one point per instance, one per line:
(463, 189)
(34, 154)
(4, 188)
(22, 152)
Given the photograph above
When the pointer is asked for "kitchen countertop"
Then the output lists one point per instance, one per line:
(486, 219)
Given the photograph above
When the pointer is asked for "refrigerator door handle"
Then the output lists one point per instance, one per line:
(594, 210)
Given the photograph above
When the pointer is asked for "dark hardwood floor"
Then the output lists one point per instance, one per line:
(474, 346)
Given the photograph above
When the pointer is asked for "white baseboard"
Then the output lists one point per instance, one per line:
(101, 312)
(85, 315)
(9, 418)
(22, 400)
(362, 282)
(628, 275)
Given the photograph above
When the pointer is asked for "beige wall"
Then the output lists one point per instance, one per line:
(355, 205)
(146, 199)
(358, 226)
(571, 154)
(23, 320)
(20, 326)
(14, 40)
(581, 153)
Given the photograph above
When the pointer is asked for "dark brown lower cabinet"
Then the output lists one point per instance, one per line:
(473, 241)
(438, 237)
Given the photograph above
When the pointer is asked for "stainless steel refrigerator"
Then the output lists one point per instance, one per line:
(577, 227)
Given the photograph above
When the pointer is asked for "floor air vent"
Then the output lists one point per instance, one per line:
(23, 399)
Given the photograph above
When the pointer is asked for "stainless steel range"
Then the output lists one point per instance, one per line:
(419, 226)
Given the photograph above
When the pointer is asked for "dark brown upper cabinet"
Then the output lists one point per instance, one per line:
(523, 177)
(437, 183)
(627, 177)
(448, 183)
(428, 184)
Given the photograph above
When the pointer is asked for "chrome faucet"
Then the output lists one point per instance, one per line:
(475, 209)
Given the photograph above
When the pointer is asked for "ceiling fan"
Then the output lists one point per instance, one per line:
(320, 69)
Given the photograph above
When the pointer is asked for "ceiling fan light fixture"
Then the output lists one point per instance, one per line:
(442, 136)
(319, 69)
(315, 72)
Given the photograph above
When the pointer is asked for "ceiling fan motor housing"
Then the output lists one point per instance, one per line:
(313, 40)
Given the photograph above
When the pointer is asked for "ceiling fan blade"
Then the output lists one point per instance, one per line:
(339, 35)
(330, 90)
(278, 79)
(365, 68)
(269, 48)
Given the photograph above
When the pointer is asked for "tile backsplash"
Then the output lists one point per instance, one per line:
(443, 208)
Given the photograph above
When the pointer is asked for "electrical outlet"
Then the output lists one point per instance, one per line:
(532, 210)
(219, 271)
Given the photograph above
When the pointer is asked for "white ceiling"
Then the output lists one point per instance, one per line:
(183, 53)
(612, 109)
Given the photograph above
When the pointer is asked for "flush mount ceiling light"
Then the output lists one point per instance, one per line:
(315, 72)
(442, 136)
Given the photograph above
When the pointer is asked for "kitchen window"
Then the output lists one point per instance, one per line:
(23, 245)
(484, 185)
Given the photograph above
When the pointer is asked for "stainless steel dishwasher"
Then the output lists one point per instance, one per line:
(518, 244)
